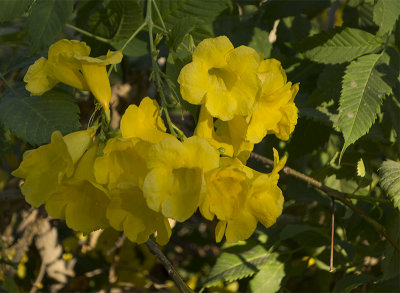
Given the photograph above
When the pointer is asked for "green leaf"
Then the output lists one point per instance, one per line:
(390, 180)
(260, 42)
(205, 12)
(238, 263)
(291, 230)
(386, 12)
(350, 282)
(179, 30)
(363, 90)
(135, 48)
(391, 262)
(130, 17)
(46, 20)
(360, 168)
(10, 9)
(269, 278)
(339, 45)
(34, 118)
(276, 9)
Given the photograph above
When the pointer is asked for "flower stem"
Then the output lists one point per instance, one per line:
(86, 33)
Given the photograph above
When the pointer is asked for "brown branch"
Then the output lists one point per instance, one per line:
(338, 195)
(154, 249)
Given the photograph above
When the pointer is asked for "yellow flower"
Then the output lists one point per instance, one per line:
(45, 167)
(275, 111)
(69, 62)
(95, 73)
(144, 122)
(229, 136)
(129, 212)
(221, 77)
(240, 197)
(80, 200)
(175, 181)
(123, 161)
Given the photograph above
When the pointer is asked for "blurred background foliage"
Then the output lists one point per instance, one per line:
(346, 138)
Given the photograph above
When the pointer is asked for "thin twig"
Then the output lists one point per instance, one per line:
(338, 195)
(39, 278)
(154, 249)
(332, 233)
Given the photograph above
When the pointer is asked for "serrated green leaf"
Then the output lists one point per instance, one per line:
(339, 45)
(360, 168)
(34, 118)
(386, 12)
(390, 180)
(130, 17)
(10, 9)
(363, 90)
(269, 278)
(205, 11)
(350, 282)
(46, 20)
(260, 42)
(235, 265)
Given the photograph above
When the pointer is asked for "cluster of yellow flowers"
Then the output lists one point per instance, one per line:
(136, 181)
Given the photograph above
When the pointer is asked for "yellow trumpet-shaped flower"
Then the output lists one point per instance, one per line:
(95, 73)
(129, 212)
(240, 197)
(80, 200)
(222, 77)
(275, 111)
(144, 122)
(123, 161)
(45, 167)
(69, 62)
(175, 182)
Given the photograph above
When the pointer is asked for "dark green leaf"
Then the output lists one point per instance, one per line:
(363, 90)
(46, 20)
(130, 17)
(390, 180)
(350, 282)
(34, 118)
(10, 9)
(236, 265)
(205, 11)
(386, 12)
(391, 263)
(269, 278)
(276, 9)
(339, 45)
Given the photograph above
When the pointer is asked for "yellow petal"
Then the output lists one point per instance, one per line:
(241, 226)
(220, 231)
(97, 79)
(144, 122)
(43, 170)
(38, 77)
(78, 142)
(123, 161)
(129, 212)
(82, 205)
(175, 193)
(64, 67)
(213, 51)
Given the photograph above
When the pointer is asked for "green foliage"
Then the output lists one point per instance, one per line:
(269, 278)
(386, 12)
(390, 180)
(260, 42)
(46, 20)
(363, 90)
(351, 282)
(35, 118)
(339, 45)
(238, 262)
(10, 9)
